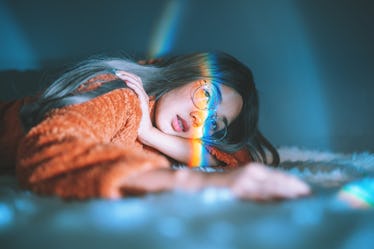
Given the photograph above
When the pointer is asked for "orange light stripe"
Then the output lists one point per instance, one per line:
(199, 157)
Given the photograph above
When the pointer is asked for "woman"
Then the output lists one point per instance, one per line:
(95, 132)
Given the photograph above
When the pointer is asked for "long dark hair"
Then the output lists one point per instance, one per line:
(159, 78)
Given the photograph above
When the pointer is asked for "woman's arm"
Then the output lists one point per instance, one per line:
(187, 151)
(251, 182)
(183, 150)
(86, 150)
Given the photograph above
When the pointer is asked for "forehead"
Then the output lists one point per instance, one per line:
(231, 103)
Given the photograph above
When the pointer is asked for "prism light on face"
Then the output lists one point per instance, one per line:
(205, 102)
(177, 114)
(199, 154)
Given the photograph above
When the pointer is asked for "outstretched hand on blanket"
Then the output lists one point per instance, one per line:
(253, 181)
(258, 182)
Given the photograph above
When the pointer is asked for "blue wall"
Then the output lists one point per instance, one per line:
(313, 60)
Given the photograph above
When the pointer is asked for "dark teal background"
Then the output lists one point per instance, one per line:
(313, 61)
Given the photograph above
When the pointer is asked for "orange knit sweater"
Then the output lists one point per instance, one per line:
(84, 150)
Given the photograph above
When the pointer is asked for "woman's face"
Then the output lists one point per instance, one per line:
(197, 109)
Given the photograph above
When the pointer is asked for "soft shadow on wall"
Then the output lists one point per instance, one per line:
(342, 35)
(312, 60)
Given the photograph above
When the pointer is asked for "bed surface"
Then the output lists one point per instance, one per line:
(210, 219)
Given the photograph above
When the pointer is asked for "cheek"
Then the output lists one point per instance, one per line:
(165, 109)
(159, 117)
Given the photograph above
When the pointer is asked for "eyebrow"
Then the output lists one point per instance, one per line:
(219, 93)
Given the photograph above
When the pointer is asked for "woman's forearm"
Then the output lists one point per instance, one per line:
(187, 151)
(251, 182)
(160, 180)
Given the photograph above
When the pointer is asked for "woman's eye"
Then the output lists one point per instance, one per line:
(208, 96)
(206, 93)
(205, 96)
(213, 125)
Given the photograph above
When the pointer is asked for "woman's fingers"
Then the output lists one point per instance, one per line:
(258, 182)
(134, 82)
(128, 75)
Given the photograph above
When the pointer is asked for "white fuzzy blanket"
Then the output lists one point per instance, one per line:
(326, 168)
(177, 220)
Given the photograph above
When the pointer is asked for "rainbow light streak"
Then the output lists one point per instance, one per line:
(362, 191)
(200, 155)
(164, 35)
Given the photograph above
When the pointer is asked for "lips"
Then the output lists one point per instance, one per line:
(179, 124)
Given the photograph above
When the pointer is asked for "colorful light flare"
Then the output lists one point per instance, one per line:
(164, 35)
(359, 194)
(200, 155)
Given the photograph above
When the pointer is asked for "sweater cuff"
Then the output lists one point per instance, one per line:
(234, 159)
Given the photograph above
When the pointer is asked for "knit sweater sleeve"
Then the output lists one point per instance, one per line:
(86, 150)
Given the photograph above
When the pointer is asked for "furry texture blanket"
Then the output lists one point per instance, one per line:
(210, 219)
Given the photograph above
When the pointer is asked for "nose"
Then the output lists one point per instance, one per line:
(197, 118)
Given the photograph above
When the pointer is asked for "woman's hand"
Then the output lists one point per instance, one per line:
(259, 182)
(253, 181)
(135, 83)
